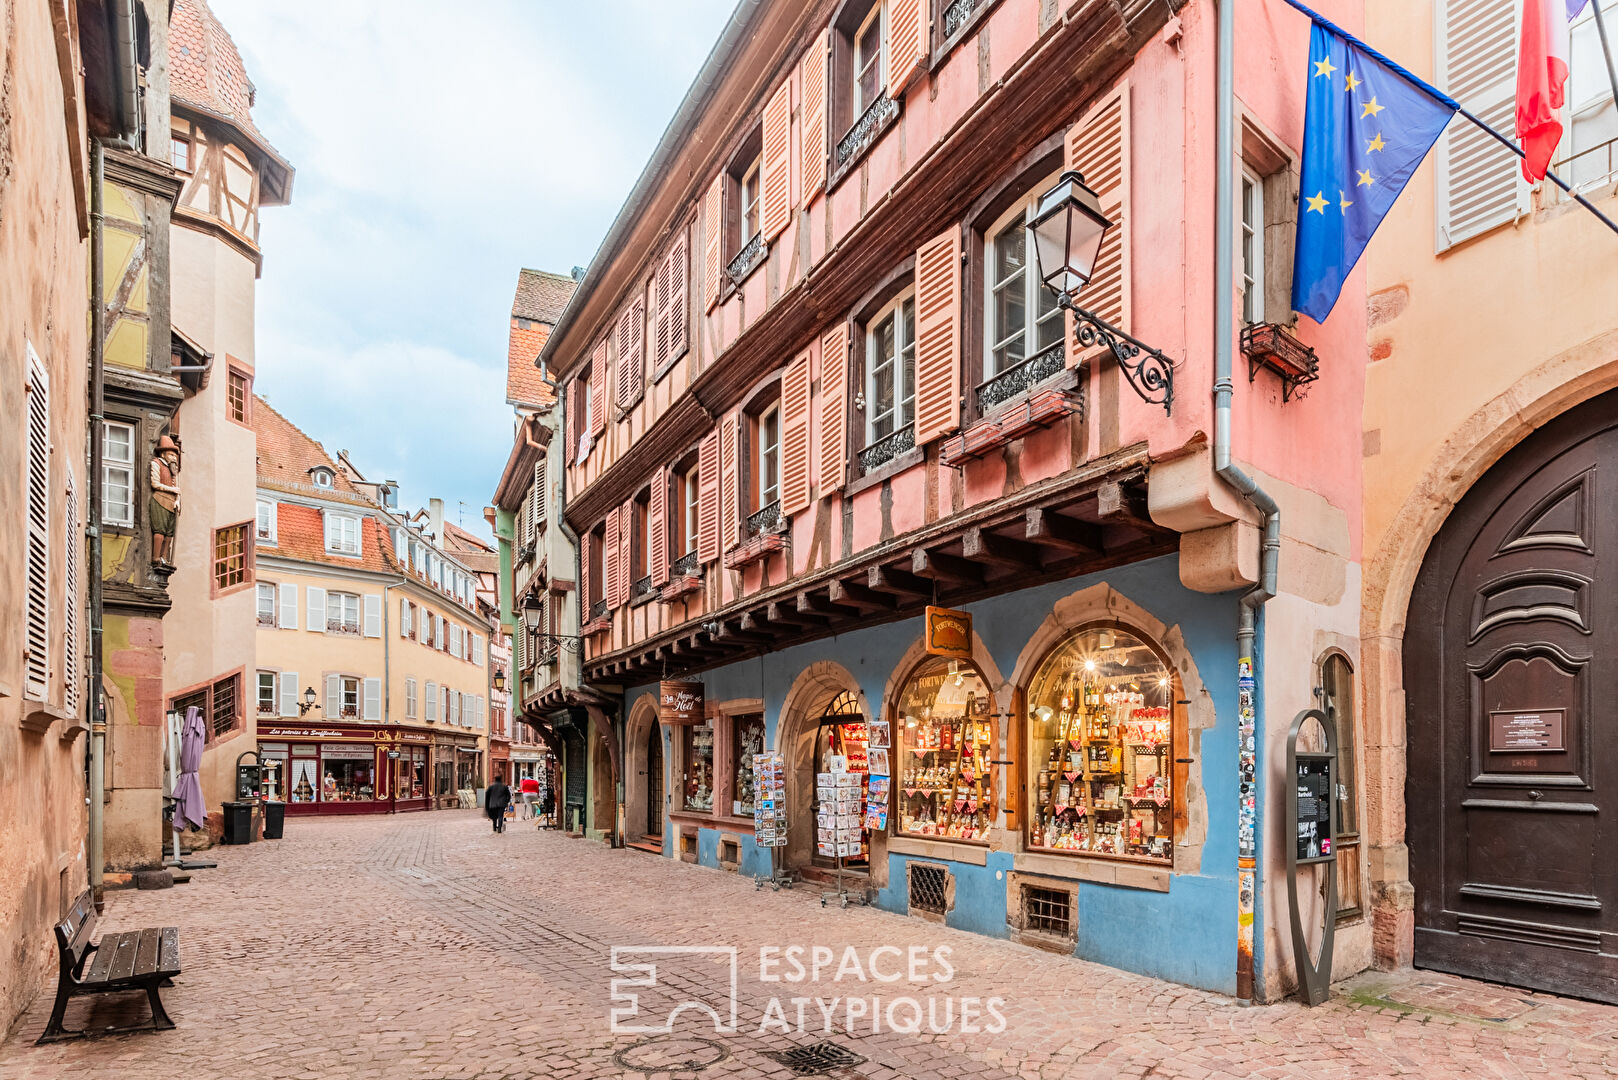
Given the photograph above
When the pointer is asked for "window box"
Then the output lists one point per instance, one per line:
(1269, 345)
(751, 551)
(973, 443)
(1041, 409)
(681, 585)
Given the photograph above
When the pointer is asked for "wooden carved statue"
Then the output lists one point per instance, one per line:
(164, 508)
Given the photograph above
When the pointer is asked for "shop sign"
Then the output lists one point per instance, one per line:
(413, 736)
(354, 753)
(316, 733)
(680, 701)
(1513, 732)
(949, 633)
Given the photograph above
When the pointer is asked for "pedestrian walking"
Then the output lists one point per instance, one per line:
(495, 801)
(530, 795)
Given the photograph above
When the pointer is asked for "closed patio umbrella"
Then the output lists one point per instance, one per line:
(188, 804)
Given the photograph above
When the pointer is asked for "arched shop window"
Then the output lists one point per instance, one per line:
(842, 746)
(945, 743)
(1100, 748)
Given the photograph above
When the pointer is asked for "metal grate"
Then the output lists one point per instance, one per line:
(815, 1059)
(747, 259)
(865, 129)
(1023, 377)
(1047, 911)
(643, 587)
(684, 566)
(956, 14)
(887, 448)
(766, 520)
(928, 885)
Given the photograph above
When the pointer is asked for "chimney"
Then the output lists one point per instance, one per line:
(435, 518)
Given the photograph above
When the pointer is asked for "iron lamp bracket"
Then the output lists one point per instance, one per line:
(1150, 373)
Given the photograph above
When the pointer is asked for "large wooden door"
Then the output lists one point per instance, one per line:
(654, 780)
(1511, 696)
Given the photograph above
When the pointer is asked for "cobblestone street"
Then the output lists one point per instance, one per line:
(422, 946)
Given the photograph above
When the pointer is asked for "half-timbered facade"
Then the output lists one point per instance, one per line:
(814, 390)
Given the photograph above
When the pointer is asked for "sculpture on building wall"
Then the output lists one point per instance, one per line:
(164, 507)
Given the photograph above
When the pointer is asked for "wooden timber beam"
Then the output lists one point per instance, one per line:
(937, 566)
(885, 579)
(995, 550)
(1068, 535)
(852, 594)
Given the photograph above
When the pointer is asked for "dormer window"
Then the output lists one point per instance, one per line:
(342, 534)
(321, 476)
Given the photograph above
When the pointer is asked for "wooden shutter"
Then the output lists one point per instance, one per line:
(334, 697)
(289, 606)
(36, 634)
(598, 389)
(729, 483)
(1098, 147)
(662, 313)
(795, 436)
(907, 43)
(540, 518)
(609, 560)
(1479, 182)
(373, 699)
(315, 609)
(713, 234)
(679, 279)
(812, 116)
(289, 693)
(657, 560)
(833, 408)
(938, 336)
(777, 194)
(708, 499)
(70, 628)
(373, 615)
(404, 617)
(587, 542)
(630, 348)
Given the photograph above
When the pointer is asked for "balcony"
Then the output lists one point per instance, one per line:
(887, 448)
(685, 577)
(866, 130)
(1588, 170)
(1022, 377)
(956, 15)
(766, 520)
(642, 590)
(747, 259)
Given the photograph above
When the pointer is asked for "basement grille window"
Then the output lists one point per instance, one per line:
(815, 1059)
(927, 888)
(1047, 911)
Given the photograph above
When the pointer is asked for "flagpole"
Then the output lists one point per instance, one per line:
(1433, 91)
(1606, 49)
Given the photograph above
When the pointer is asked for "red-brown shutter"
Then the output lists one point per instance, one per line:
(1098, 147)
(708, 499)
(577, 421)
(657, 560)
(609, 561)
(713, 231)
(662, 344)
(631, 337)
(795, 436)
(777, 195)
(833, 408)
(907, 42)
(729, 483)
(626, 547)
(812, 113)
(938, 336)
(588, 545)
(679, 290)
(598, 389)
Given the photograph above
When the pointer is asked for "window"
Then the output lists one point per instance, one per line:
(641, 545)
(224, 708)
(697, 744)
(768, 462)
(594, 567)
(1337, 699)
(266, 604)
(750, 197)
(322, 476)
(687, 489)
(1252, 247)
(266, 693)
(1589, 156)
(869, 42)
(945, 731)
(342, 534)
(890, 365)
(583, 395)
(238, 392)
(180, 154)
(410, 697)
(231, 557)
(743, 191)
(342, 613)
(37, 632)
(264, 525)
(747, 739)
(348, 701)
(118, 473)
(1022, 318)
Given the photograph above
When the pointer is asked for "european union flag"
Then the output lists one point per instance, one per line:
(1368, 124)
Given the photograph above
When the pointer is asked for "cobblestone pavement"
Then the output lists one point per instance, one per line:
(422, 946)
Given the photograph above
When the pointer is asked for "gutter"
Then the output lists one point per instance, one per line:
(1255, 598)
(96, 796)
(124, 55)
(654, 174)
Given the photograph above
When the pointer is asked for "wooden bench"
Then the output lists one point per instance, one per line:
(135, 960)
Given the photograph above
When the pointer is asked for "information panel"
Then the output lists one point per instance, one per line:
(1314, 808)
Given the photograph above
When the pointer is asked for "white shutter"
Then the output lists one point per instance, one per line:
(1480, 182)
(438, 632)
(289, 606)
(373, 615)
(289, 693)
(410, 698)
(455, 701)
(454, 640)
(70, 635)
(432, 700)
(373, 699)
(315, 608)
(36, 633)
(334, 697)
(404, 617)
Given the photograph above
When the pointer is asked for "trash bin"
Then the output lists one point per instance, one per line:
(238, 823)
(275, 815)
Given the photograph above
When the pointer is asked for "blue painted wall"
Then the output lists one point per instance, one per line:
(1188, 934)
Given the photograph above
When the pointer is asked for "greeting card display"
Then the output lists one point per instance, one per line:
(769, 800)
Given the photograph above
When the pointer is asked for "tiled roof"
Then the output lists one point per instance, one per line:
(470, 551)
(541, 295)
(286, 454)
(538, 304)
(300, 534)
(205, 69)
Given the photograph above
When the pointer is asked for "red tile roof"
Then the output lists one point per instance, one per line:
(300, 534)
(286, 454)
(470, 551)
(538, 304)
(204, 67)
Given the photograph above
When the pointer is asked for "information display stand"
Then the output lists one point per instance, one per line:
(840, 825)
(770, 816)
(1312, 829)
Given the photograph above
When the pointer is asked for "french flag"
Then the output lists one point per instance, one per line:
(1541, 79)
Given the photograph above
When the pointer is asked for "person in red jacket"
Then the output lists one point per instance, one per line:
(530, 794)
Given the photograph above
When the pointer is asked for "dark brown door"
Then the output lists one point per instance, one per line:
(1511, 697)
(654, 781)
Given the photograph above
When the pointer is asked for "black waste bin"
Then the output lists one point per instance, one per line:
(238, 823)
(275, 816)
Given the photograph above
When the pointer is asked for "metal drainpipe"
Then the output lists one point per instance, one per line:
(1254, 598)
(98, 706)
(387, 695)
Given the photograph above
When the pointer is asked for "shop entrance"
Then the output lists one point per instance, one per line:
(1510, 671)
(654, 782)
(842, 734)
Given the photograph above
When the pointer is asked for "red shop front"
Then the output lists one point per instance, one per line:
(325, 768)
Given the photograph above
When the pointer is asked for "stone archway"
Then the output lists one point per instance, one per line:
(814, 689)
(640, 730)
(1488, 434)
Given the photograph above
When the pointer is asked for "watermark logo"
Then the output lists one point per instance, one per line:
(656, 974)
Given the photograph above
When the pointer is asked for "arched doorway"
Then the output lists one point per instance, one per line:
(799, 738)
(1510, 669)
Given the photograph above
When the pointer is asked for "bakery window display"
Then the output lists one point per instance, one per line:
(946, 738)
(1100, 716)
(699, 775)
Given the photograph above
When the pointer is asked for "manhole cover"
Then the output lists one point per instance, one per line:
(676, 1055)
(818, 1058)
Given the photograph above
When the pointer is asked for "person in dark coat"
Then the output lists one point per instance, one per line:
(495, 801)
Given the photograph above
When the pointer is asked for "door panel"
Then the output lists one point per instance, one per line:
(1511, 682)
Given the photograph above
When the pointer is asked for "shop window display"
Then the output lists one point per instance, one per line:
(273, 760)
(842, 747)
(1100, 755)
(699, 775)
(304, 782)
(749, 741)
(346, 774)
(946, 743)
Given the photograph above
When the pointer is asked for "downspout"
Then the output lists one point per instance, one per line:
(387, 696)
(123, 14)
(98, 705)
(1255, 598)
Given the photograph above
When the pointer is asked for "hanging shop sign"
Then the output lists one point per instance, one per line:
(680, 701)
(1312, 823)
(949, 633)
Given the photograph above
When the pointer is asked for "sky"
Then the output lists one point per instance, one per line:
(436, 154)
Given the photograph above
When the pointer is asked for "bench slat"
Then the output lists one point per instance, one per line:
(146, 948)
(123, 960)
(168, 960)
(101, 960)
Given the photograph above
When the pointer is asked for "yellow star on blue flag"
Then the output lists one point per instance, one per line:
(1367, 126)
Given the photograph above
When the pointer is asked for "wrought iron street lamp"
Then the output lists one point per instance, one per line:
(1067, 233)
(499, 680)
(533, 613)
(308, 701)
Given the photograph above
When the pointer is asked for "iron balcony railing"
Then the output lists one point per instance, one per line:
(765, 520)
(685, 565)
(1022, 377)
(887, 448)
(861, 135)
(751, 254)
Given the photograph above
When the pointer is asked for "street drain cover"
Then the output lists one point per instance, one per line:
(817, 1058)
(672, 1055)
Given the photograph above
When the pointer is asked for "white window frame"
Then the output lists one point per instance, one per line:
(1033, 289)
(904, 390)
(264, 522)
(345, 683)
(769, 453)
(1250, 247)
(691, 510)
(112, 467)
(879, 11)
(755, 176)
(343, 601)
(275, 693)
(260, 590)
(1581, 111)
(322, 477)
(336, 529)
